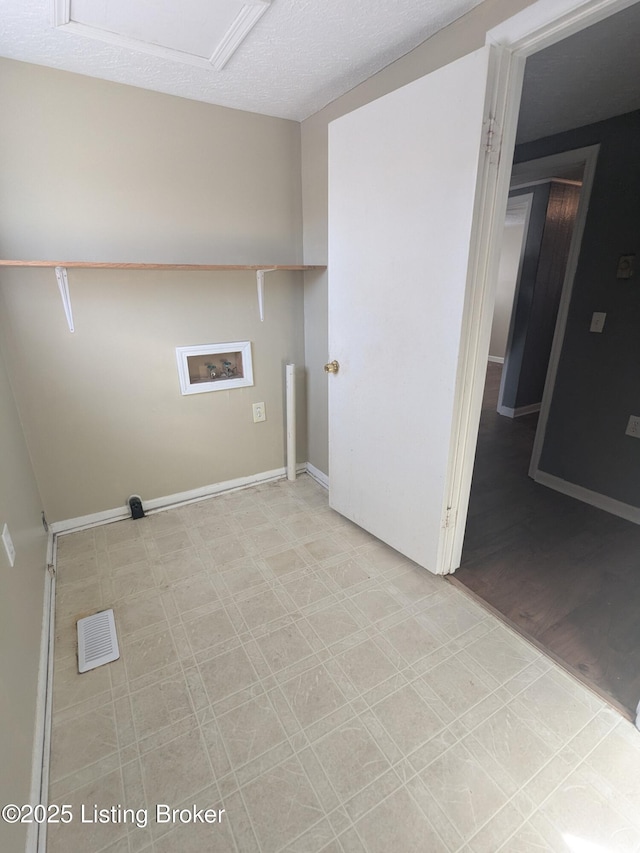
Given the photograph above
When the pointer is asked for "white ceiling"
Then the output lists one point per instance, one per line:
(300, 55)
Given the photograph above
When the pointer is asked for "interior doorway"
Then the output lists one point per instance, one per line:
(560, 571)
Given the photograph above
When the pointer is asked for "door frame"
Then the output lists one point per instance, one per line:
(535, 28)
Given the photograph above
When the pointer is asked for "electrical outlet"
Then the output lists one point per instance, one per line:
(8, 545)
(597, 321)
(259, 413)
(633, 427)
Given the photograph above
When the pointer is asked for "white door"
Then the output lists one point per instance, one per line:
(404, 174)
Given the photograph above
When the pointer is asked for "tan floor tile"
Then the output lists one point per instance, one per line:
(76, 600)
(559, 709)
(285, 561)
(303, 685)
(333, 624)
(82, 740)
(617, 760)
(226, 674)
(123, 532)
(203, 535)
(71, 687)
(265, 538)
(324, 547)
(80, 837)
(180, 565)
(176, 770)
(526, 840)
(136, 613)
(241, 576)
(196, 838)
(454, 619)
(380, 558)
(146, 654)
(307, 590)
(578, 810)
(250, 730)
(408, 719)
(282, 805)
(160, 704)
(376, 604)
(131, 580)
(227, 550)
(127, 553)
(494, 834)
(261, 608)
(366, 665)
(80, 568)
(192, 593)
(463, 789)
(415, 583)
(312, 695)
(516, 747)
(284, 647)
(411, 640)
(350, 758)
(209, 630)
(398, 824)
(457, 685)
(502, 654)
(168, 543)
(344, 573)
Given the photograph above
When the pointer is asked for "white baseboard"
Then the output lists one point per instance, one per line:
(521, 410)
(495, 359)
(37, 832)
(622, 510)
(317, 475)
(119, 513)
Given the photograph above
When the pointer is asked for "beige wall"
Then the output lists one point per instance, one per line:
(96, 170)
(462, 37)
(21, 595)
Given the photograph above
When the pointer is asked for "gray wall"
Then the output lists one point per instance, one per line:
(21, 597)
(93, 170)
(598, 383)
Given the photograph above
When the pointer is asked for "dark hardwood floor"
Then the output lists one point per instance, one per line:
(563, 573)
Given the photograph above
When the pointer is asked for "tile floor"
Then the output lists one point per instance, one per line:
(282, 664)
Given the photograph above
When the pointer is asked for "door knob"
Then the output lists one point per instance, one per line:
(332, 367)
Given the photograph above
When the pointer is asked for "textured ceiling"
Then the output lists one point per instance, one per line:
(588, 77)
(300, 56)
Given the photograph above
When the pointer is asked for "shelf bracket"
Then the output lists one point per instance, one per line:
(260, 281)
(63, 287)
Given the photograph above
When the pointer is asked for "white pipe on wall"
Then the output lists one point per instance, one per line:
(291, 420)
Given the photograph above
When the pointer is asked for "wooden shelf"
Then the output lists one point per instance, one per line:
(105, 265)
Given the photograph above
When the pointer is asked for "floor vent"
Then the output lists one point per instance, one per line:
(97, 640)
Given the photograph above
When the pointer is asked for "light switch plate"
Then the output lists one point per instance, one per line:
(633, 426)
(597, 321)
(8, 545)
